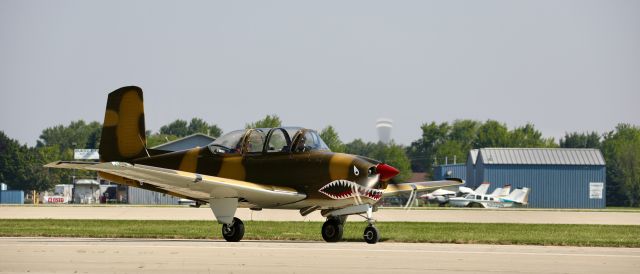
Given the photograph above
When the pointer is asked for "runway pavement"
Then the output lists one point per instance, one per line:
(78, 255)
(433, 215)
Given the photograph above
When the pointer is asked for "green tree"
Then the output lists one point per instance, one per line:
(358, 147)
(464, 131)
(180, 128)
(528, 136)
(42, 178)
(492, 134)
(177, 128)
(269, 121)
(580, 140)
(12, 162)
(77, 134)
(422, 152)
(331, 138)
(22, 168)
(392, 154)
(450, 152)
(198, 125)
(621, 149)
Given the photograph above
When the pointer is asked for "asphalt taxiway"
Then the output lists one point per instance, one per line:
(82, 255)
(115, 212)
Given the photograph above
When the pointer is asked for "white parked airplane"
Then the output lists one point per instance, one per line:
(520, 196)
(443, 195)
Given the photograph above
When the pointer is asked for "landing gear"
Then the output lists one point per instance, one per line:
(371, 235)
(233, 232)
(332, 230)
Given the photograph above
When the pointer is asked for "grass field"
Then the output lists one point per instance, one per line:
(526, 234)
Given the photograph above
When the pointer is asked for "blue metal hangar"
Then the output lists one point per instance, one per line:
(557, 177)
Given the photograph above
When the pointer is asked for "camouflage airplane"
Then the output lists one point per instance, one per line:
(279, 168)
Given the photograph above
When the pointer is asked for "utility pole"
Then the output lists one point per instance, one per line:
(73, 177)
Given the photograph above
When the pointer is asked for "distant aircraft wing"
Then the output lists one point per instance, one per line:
(394, 189)
(192, 185)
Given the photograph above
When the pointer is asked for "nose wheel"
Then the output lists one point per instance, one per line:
(234, 231)
(371, 234)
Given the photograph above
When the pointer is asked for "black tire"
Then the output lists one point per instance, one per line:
(371, 235)
(233, 232)
(332, 231)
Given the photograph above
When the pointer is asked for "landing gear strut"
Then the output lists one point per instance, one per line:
(333, 228)
(233, 232)
(371, 234)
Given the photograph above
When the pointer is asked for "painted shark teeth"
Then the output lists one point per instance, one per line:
(343, 189)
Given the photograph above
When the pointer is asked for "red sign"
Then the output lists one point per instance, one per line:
(55, 200)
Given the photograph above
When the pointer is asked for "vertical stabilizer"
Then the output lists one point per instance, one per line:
(123, 131)
(482, 189)
(496, 192)
(505, 190)
(520, 195)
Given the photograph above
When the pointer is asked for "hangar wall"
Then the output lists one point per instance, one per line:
(450, 171)
(139, 196)
(558, 178)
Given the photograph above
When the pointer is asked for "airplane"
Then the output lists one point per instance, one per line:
(443, 195)
(275, 168)
(501, 191)
(520, 196)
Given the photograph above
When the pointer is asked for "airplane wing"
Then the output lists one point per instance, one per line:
(192, 185)
(394, 189)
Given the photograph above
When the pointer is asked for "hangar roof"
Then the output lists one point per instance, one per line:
(474, 155)
(542, 156)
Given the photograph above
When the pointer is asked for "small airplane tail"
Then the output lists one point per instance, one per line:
(520, 195)
(482, 188)
(505, 190)
(123, 131)
(496, 192)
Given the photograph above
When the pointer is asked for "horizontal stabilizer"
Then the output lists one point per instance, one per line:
(81, 165)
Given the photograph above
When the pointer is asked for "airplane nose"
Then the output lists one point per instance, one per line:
(386, 171)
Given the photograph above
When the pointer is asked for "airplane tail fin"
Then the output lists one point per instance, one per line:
(496, 192)
(520, 195)
(482, 189)
(123, 131)
(505, 190)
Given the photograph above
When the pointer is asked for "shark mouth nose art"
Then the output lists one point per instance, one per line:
(343, 189)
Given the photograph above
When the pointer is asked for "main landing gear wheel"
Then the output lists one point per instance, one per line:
(371, 235)
(233, 232)
(332, 230)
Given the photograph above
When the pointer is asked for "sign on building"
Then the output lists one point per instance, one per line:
(86, 154)
(595, 190)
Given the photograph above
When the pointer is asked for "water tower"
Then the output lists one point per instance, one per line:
(384, 126)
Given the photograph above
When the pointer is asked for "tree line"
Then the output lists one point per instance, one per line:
(21, 165)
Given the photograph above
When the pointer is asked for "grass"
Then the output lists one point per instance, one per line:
(463, 233)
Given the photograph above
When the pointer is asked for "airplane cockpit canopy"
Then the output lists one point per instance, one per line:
(269, 140)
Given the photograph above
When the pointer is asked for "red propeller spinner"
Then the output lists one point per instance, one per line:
(386, 171)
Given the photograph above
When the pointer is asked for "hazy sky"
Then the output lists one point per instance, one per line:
(562, 65)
